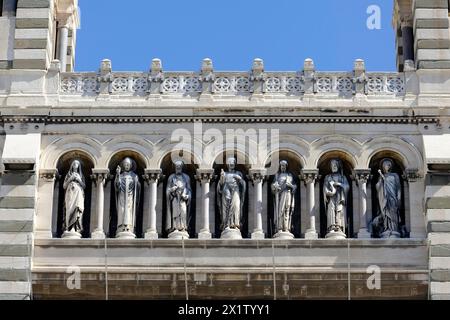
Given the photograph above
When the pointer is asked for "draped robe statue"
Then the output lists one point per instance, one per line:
(283, 189)
(231, 189)
(127, 189)
(74, 185)
(335, 192)
(179, 195)
(389, 192)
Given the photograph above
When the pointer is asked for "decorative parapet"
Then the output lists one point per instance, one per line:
(257, 81)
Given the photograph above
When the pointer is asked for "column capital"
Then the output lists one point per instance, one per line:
(412, 175)
(257, 175)
(152, 175)
(204, 175)
(100, 176)
(309, 175)
(48, 175)
(362, 175)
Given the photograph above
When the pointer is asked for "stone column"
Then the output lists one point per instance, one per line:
(205, 177)
(362, 177)
(152, 177)
(100, 177)
(310, 177)
(408, 39)
(257, 177)
(45, 210)
(416, 204)
(63, 42)
(207, 77)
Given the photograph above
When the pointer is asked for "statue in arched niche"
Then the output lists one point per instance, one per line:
(179, 195)
(283, 190)
(74, 185)
(335, 192)
(231, 189)
(127, 189)
(389, 194)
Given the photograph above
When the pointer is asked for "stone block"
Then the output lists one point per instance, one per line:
(440, 297)
(30, 44)
(15, 287)
(5, 64)
(434, 64)
(426, 13)
(437, 238)
(16, 226)
(440, 275)
(442, 250)
(14, 250)
(34, 13)
(17, 191)
(439, 263)
(435, 4)
(18, 178)
(12, 238)
(439, 226)
(31, 34)
(33, 4)
(17, 202)
(433, 44)
(438, 215)
(431, 34)
(440, 288)
(438, 203)
(433, 54)
(28, 23)
(432, 24)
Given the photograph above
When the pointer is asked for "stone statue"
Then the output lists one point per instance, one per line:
(231, 189)
(283, 190)
(127, 188)
(74, 186)
(389, 193)
(335, 192)
(179, 197)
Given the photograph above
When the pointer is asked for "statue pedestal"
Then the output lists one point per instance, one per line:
(311, 234)
(125, 235)
(231, 234)
(71, 235)
(178, 235)
(283, 235)
(336, 235)
(391, 234)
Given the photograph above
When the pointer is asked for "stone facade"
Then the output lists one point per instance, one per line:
(52, 115)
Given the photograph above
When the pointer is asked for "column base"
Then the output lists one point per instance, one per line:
(283, 235)
(231, 234)
(364, 234)
(98, 234)
(151, 235)
(178, 235)
(204, 234)
(336, 235)
(125, 235)
(258, 234)
(71, 235)
(311, 234)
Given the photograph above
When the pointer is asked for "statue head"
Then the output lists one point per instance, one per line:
(283, 165)
(386, 165)
(127, 164)
(75, 166)
(336, 166)
(179, 166)
(231, 162)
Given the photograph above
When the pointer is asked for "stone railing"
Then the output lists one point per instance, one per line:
(255, 82)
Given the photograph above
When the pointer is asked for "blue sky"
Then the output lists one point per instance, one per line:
(232, 33)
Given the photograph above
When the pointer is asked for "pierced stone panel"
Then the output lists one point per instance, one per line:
(191, 85)
(222, 84)
(171, 85)
(324, 85)
(119, 85)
